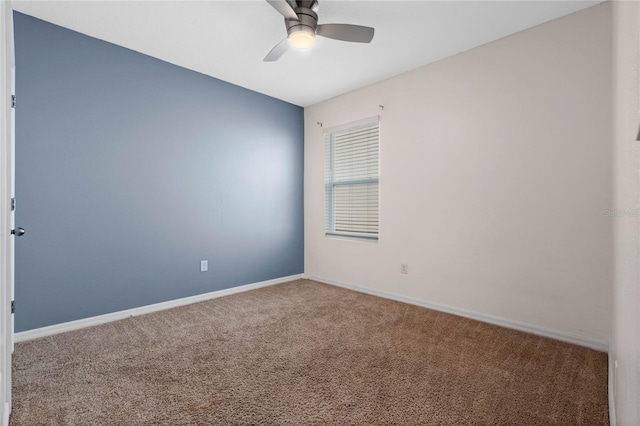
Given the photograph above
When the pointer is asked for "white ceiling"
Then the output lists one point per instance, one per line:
(228, 39)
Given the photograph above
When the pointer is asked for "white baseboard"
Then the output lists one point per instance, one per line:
(564, 336)
(612, 390)
(114, 316)
(5, 414)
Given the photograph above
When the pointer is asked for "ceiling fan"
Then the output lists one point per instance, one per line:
(301, 20)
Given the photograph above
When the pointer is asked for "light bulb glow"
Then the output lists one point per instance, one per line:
(301, 40)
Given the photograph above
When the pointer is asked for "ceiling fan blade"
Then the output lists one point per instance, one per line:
(277, 51)
(346, 32)
(284, 8)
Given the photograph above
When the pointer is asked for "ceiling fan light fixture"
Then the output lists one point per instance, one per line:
(302, 40)
(301, 20)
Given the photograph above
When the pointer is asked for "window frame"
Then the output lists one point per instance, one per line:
(329, 136)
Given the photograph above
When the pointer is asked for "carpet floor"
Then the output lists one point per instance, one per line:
(305, 353)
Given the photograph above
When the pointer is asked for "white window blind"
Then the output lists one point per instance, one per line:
(351, 180)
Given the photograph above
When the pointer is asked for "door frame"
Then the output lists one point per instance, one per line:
(7, 162)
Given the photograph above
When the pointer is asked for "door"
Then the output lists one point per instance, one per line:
(7, 144)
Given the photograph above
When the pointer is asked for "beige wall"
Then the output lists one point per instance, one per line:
(495, 175)
(625, 345)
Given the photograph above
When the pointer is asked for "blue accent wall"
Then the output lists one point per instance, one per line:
(130, 170)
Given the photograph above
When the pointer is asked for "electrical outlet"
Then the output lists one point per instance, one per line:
(204, 265)
(404, 268)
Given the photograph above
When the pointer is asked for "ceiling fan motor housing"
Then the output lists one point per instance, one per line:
(307, 21)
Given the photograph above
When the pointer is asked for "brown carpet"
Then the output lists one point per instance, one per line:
(305, 353)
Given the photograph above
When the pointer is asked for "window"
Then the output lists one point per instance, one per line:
(351, 180)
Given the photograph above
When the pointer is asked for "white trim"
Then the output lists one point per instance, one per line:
(561, 335)
(612, 390)
(114, 316)
(7, 190)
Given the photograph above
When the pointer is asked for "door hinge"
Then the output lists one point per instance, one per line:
(13, 204)
(13, 101)
(13, 306)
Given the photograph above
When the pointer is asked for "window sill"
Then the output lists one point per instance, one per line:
(351, 236)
